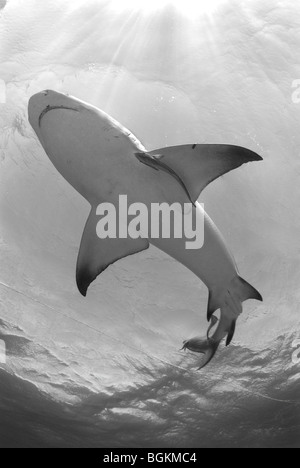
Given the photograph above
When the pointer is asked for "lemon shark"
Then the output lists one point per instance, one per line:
(102, 159)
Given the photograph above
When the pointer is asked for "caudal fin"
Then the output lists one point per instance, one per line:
(214, 321)
(245, 290)
(212, 306)
(231, 333)
(231, 307)
(241, 291)
(209, 353)
(238, 292)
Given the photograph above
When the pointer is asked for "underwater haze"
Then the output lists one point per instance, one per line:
(106, 370)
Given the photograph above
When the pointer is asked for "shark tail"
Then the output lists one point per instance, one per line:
(238, 292)
(211, 349)
(230, 303)
(244, 290)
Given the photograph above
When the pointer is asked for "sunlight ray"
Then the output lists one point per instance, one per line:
(186, 7)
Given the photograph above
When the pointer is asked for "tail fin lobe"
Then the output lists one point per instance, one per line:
(209, 353)
(246, 291)
(212, 306)
(231, 333)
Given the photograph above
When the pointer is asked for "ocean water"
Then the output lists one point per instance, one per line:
(106, 371)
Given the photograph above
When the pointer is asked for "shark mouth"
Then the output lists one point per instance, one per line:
(50, 108)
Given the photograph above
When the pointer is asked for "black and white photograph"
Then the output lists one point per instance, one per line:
(149, 226)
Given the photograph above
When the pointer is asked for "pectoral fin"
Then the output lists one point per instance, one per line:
(195, 166)
(155, 161)
(96, 254)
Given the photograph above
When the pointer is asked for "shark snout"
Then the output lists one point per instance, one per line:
(37, 105)
(40, 100)
(45, 101)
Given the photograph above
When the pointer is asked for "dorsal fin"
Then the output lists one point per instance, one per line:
(198, 165)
